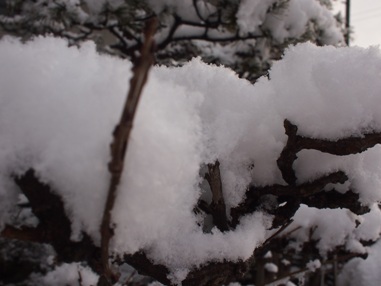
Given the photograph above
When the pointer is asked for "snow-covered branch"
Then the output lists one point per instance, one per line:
(340, 147)
(215, 30)
(197, 119)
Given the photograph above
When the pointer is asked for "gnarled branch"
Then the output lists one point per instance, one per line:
(341, 147)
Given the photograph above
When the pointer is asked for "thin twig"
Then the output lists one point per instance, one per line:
(266, 245)
(282, 228)
(130, 278)
(120, 142)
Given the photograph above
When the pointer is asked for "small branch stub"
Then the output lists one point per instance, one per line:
(217, 207)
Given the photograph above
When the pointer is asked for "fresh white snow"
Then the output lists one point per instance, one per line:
(59, 105)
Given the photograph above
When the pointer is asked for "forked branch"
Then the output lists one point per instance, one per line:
(341, 147)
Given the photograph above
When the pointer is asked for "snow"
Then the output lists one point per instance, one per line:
(67, 274)
(48, 127)
(253, 17)
(285, 262)
(326, 79)
(313, 265)
(271, 267)
(289, 21)
(268, 255)
(59, 105)
(299, 14)
(251, 14)
(330, 234)
(362, 272)
(346, 229)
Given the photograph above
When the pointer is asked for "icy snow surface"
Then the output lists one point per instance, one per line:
(59, 105)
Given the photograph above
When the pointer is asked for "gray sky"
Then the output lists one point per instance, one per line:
(365, 21)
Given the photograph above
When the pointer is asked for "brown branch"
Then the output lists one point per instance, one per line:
(210, 274)
(334, 199)
(341, 147)
(45, 204)
(283, 215)
(281, 229)
(121, 136)
(305, 189)
(24, 234)
(294, 195)
(54, 226)
(288, 155)
(268, 244)
(217, 207)
(203, 206)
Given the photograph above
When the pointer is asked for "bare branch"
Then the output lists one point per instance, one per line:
(24, 234)
(49, 209)
(266, 246)
(303, 190)
(120, 142)
(293, 195)
(333, 199)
